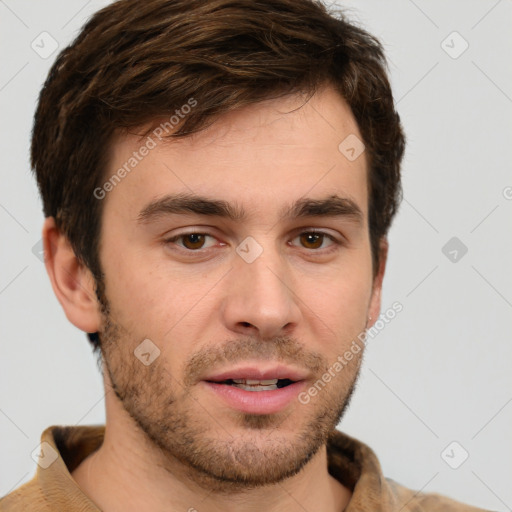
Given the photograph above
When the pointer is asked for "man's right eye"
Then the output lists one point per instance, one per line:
(192, 241)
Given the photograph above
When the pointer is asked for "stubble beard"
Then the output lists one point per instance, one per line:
(223, 454)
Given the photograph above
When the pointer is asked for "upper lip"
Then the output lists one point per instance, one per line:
(253, 372)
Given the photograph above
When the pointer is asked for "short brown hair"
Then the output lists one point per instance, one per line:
(134, 62)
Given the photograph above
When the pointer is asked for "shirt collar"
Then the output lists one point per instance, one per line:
(72, 444)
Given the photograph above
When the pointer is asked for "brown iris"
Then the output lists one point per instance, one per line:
(194, 240)
(312, 240)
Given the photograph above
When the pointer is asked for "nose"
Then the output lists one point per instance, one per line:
(259, 299)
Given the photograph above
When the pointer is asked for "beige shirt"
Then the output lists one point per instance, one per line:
(351, 462)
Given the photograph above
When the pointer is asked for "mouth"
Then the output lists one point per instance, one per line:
(256, 390)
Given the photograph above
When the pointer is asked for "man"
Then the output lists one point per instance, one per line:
(218, 180)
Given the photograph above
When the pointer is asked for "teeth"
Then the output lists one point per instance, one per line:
(253, 387)
(250, 382)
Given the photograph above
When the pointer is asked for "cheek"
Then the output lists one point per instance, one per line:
(339, 305)
(135, 291)
(154, 300)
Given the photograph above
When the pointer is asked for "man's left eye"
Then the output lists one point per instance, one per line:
(315, 240)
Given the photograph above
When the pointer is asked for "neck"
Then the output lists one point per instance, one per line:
(129, 473)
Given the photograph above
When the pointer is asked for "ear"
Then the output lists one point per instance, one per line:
(375, 301)
(72, 282)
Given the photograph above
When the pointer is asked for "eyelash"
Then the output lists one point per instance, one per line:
(334, 246)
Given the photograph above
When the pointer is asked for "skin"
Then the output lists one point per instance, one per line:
(171, 443)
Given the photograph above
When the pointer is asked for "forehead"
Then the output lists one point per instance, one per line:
(263, 156)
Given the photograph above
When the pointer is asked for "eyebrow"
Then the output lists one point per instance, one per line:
(332, 206)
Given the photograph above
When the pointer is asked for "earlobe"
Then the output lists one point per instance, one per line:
(72, 282)
(375, 302)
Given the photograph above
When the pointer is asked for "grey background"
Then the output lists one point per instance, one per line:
(435, 374)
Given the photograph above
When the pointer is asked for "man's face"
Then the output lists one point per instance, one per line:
(271, 291)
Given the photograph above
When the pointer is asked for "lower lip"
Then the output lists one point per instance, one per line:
(256, 402)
